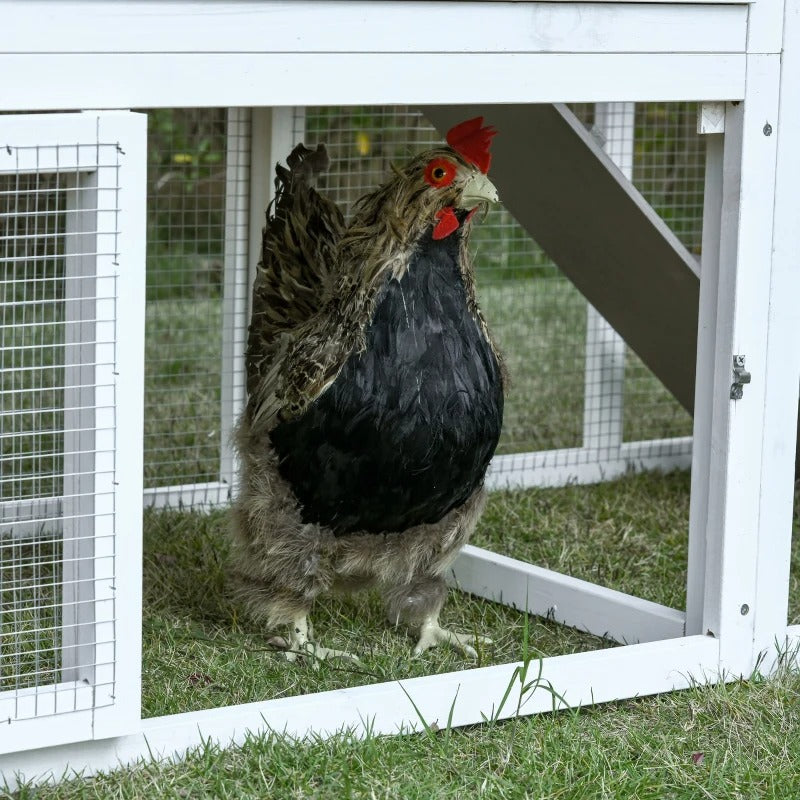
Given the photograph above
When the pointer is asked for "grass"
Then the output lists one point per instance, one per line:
(732, 741)
(740, 740)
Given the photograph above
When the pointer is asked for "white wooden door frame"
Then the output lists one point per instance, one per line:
(98, 694)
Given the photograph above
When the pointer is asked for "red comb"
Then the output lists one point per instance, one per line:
(472, 142)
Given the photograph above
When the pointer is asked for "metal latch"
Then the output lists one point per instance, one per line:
(741, 377)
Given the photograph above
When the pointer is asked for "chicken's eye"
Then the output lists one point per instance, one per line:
(440, 172)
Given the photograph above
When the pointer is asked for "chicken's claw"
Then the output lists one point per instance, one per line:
(300, 644)
(432, 634)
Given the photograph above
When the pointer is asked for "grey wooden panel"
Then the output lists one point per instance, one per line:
(563, 189)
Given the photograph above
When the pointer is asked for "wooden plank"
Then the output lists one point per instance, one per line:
(121, 675)
(47, 81)
(704, 387)
(735, 538)
(570, 601)
(471, 696)
(783, 359)
(236, 284)
(221, 26)
(188, 495)
(565, 191)
(578, 465)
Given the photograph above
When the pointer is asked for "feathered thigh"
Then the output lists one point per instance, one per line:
(280, 564)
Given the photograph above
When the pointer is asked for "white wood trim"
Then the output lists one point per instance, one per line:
(580, 679)
(141, 27)
(44, 717)
(782, 368)
(236, 287)
(765, 27)
(704, 383)
(119, 670)
(733, 534)
(604, 375)
(47, 81)
(33, 512)
(570, 601)
(81, 295)
(188, 495)
(551, 468)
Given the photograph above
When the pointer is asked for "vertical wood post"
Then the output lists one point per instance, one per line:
(783, 363)
(236, 284)
(733, 533)
(704, 382)
(78, 512)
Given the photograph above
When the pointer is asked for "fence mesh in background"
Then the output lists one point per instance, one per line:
(186, 197)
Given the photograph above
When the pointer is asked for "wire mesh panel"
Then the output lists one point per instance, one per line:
(59, 430)
(669, 170)
(197, 210)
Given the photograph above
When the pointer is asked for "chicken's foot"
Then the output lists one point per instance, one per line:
(432, 634)
(301, 644)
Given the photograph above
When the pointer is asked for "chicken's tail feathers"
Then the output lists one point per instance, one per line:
(298, 257)
(304, 165)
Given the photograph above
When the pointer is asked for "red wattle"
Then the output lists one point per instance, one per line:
(448, 222)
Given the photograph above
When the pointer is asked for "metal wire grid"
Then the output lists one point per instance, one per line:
(57, 433)
(669, 170)
(188, 151)
(540, 319)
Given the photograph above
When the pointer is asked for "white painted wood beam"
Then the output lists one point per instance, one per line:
(570, 601)
(88, 80)
(337, 26)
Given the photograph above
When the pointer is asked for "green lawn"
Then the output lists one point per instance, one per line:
(629, 534)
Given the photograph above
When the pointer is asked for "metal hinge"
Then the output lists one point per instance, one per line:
(741, 377)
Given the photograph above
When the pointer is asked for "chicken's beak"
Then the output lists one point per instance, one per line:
(478, 189)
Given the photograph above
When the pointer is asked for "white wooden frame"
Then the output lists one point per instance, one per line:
(98, 691)
(603, 52)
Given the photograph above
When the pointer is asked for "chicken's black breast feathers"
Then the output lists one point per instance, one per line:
(406, 431)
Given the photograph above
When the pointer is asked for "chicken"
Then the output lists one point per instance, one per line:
(375, 395)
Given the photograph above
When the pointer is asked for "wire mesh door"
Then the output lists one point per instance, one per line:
(71, 383)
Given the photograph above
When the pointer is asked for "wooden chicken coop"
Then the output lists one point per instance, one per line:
(715, 320)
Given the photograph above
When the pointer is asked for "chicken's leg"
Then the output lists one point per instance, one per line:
(418, 605)
(432, 634)
(301, 644)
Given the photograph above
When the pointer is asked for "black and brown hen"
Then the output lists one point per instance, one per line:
(375, 394)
